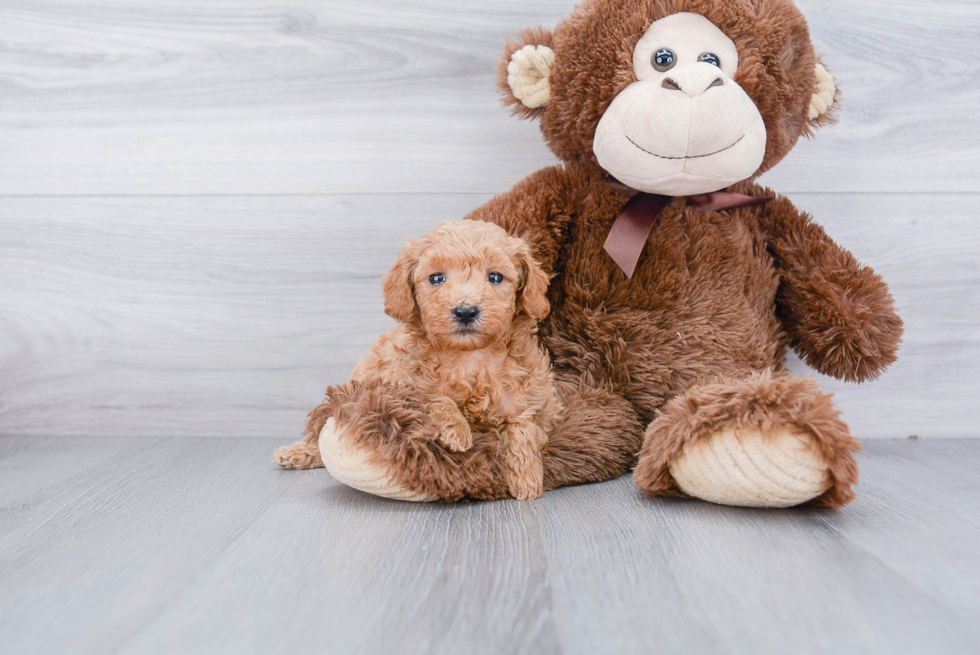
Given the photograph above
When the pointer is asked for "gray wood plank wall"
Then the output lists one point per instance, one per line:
(197, 197)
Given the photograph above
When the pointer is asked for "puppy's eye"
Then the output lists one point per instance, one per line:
(436, 279)
(495, 278)
(663, 59)
(710, 58)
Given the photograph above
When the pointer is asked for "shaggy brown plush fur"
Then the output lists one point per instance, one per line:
(696, 338)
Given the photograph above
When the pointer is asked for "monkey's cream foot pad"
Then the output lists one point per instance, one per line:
(749, 469)
(353, 467)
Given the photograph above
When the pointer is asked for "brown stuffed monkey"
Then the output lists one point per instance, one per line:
(677, 282)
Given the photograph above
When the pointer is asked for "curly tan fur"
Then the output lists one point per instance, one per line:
(490, 375)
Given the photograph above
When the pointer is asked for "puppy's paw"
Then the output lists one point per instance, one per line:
(456, 437)
(300, 455)
(524, 488)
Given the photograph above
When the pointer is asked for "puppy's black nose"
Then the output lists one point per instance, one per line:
(466, 314)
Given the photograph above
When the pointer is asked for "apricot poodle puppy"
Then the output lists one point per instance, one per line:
(467, 298)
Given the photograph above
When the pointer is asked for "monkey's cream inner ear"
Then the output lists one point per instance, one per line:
(527, 75)
(823, 93)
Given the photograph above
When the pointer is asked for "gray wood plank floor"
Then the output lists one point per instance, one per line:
(185, 545)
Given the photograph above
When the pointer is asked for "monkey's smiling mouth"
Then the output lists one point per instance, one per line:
(710, 154)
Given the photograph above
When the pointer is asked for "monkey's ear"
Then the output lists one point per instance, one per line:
(523, 72)
(533, 294)
(397, 285)
(824, 96)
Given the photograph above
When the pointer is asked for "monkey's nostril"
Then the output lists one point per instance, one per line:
(717, 82)
(466, 314)
(670, 84)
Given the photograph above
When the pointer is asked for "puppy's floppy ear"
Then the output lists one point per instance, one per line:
(532, 297)
(397, 284)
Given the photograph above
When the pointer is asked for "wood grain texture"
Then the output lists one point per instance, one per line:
(89, 555)
(183, 96)
(197, 201)
(212, 316)
(203, 546)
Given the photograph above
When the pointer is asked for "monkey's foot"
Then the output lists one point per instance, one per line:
(381, 439)
(765, 441)
(751, 469)
(355, 467)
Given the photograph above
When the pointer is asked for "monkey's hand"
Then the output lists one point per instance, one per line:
(839, 315)
(842, 322)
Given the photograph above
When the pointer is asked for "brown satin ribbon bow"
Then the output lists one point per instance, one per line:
(633, 225)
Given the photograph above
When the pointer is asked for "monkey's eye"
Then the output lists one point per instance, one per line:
(436, 279)
(710, 58)
(495, 278)
(663, 60)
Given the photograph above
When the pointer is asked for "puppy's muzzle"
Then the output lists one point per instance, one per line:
(466, 314)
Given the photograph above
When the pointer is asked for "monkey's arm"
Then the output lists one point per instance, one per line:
(538, 209)
(839, 314)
